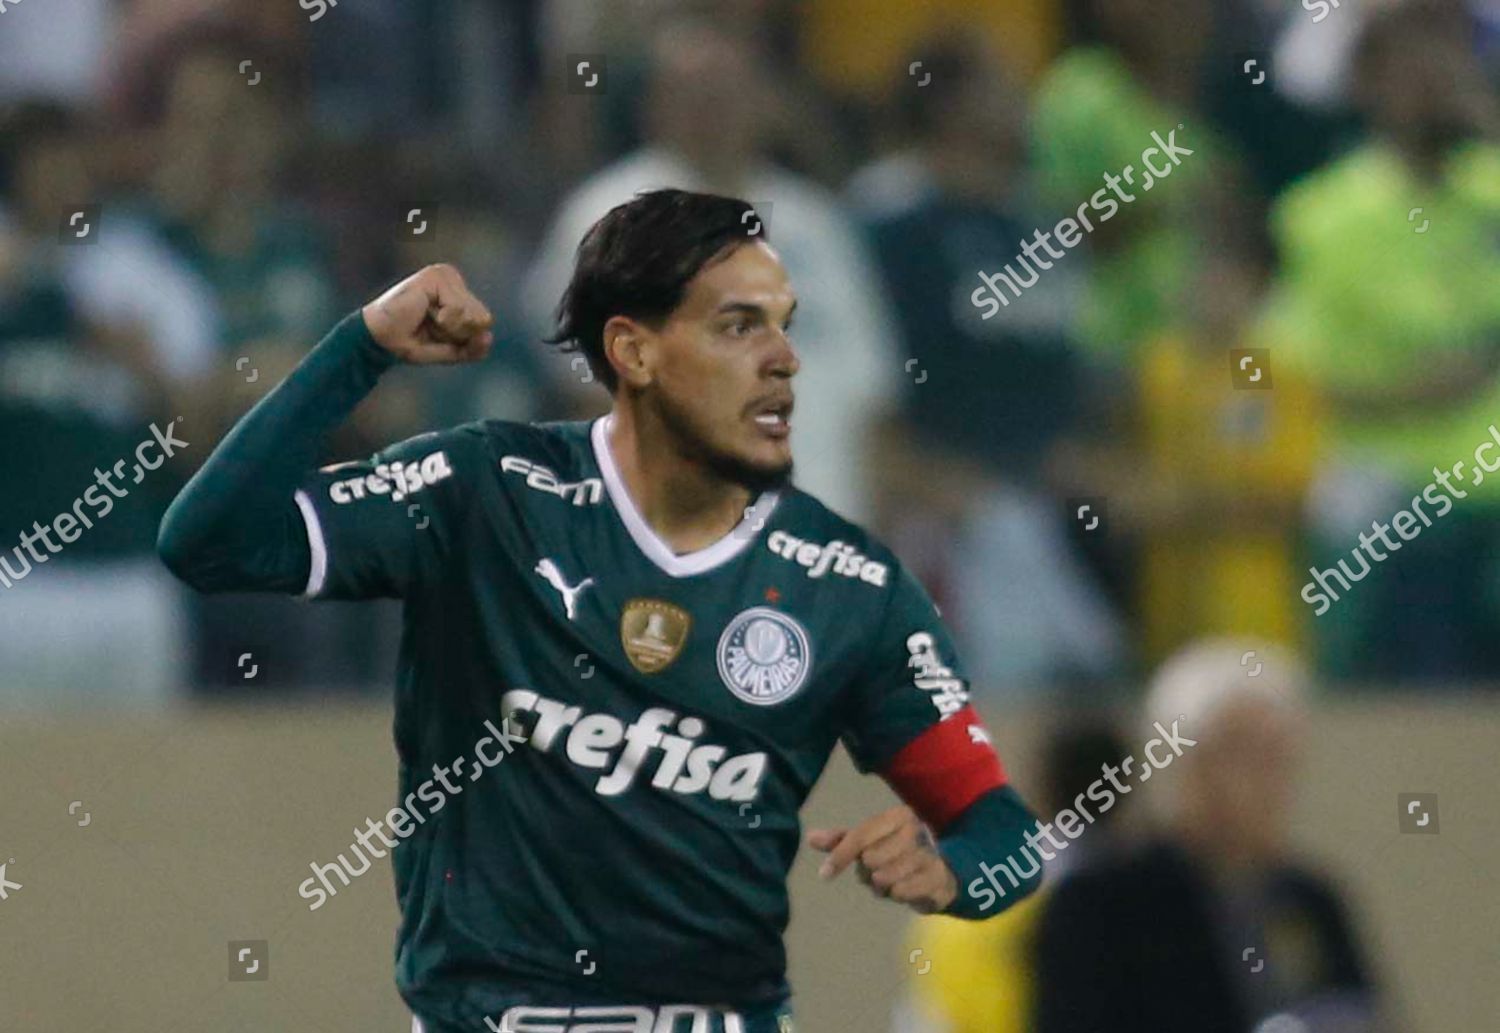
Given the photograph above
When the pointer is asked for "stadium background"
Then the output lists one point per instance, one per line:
(191, 191)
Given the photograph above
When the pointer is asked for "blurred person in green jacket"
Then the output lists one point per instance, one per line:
(1388, 303)
(1094, 113)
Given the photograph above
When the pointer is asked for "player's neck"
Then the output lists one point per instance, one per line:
(689, 506)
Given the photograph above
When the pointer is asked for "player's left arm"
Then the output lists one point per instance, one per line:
(911, 721)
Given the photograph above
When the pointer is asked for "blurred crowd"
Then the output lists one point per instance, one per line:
(1185, 422)
(1187, 908)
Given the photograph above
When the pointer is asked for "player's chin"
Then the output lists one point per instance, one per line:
(771, 457)
(764, 465)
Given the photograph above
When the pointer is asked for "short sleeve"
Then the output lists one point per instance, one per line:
(381, 527)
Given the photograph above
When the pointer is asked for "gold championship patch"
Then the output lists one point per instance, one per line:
(653, 633)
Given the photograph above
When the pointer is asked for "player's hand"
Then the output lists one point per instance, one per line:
(431, 317)
(895, 856)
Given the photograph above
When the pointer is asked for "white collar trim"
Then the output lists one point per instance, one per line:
(649, 542)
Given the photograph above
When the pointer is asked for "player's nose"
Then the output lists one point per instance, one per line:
(783, 361)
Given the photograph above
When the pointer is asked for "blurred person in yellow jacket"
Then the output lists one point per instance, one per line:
(1229, 442)
(1218, 448)
(851, 45)
(978, 977)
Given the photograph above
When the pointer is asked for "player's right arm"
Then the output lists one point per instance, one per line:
(258, 517)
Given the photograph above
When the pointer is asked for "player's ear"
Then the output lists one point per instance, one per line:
(627, 348)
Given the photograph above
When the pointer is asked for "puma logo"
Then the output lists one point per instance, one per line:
(548, 569)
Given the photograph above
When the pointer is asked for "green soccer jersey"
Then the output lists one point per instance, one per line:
(603, 745)
(653, 721)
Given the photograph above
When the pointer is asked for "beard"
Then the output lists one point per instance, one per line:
(694, 444)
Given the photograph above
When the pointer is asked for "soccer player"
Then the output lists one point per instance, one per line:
(629, 648)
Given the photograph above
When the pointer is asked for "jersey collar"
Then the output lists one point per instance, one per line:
(649, 542)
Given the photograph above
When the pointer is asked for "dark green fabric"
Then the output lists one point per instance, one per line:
(59, 431)
(235, 526)
(561, 798)
(992, 830)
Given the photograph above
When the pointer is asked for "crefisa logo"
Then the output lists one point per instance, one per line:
(394, 480)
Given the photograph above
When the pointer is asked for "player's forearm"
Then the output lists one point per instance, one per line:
(235, 525)
(983, 846)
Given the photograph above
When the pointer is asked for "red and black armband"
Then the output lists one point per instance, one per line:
(946, 768)
(952, 777)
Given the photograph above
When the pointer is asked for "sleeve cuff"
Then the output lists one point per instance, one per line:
(353, 334)
(964, 863)
(988, 837)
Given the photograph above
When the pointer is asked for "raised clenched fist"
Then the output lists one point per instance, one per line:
(431, 317)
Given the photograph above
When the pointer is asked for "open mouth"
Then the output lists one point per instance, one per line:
(775, 418)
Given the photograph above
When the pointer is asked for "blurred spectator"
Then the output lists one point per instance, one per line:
(1389, 303)
(1227, 457)
(1315, 52)
(795, 127)
(472, 226)
(997, 391)
(980, 977)
(1313, 56)
(853, 44)
(1486, 15)
(153, 37)
(985, 400)
(703, 115)
(102, 334)
(148, 310)
(1105, 115)
(1160, 940)
(57, 52)
(1096, 109)
(219, 192)
(1281, 123)
(372, 72)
